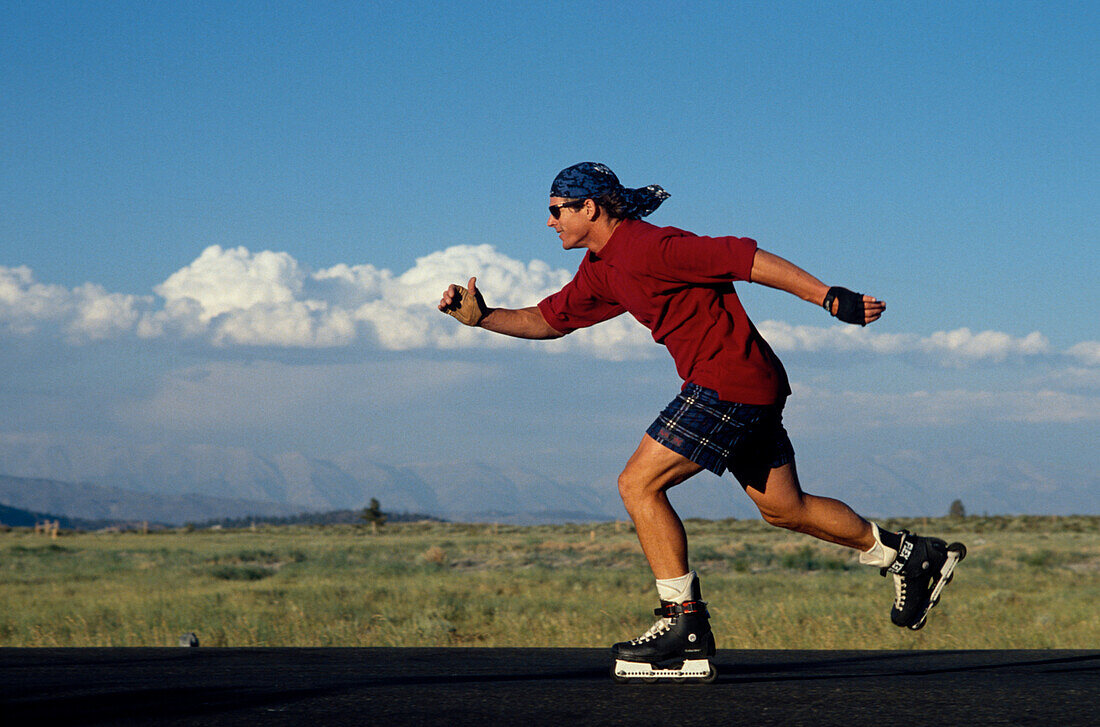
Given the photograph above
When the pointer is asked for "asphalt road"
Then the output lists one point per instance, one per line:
(391, 687)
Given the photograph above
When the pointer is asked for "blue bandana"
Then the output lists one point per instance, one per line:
(590, 180)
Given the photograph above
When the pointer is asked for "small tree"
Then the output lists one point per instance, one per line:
(373, 514)
(957, 509)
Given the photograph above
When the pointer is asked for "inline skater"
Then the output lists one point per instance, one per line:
(728, 415)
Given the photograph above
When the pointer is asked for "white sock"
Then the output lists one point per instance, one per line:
(879, 555)
(676, 590)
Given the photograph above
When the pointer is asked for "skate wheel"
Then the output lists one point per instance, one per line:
(711, 675)
(919, 626)
(957, 548)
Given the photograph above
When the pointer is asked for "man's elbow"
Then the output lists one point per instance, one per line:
(549, 332)
(543, 326)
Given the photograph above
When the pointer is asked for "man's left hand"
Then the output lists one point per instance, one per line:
(852, 307)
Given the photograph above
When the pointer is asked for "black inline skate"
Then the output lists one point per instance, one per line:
(921, 570)
(677, 647)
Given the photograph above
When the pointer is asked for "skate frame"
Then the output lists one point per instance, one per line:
(696, 670)
(955, 553)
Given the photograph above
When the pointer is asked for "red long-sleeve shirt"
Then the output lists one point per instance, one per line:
(680, 287)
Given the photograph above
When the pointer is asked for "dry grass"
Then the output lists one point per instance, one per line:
(1026, 583)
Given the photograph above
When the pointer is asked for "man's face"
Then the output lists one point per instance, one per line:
(572, 224)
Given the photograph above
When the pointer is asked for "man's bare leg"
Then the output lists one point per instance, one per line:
(651, 470)
(783, 503)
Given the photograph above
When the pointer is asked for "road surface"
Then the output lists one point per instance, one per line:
(526, 687)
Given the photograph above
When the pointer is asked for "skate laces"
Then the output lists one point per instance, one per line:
(661, 626)
(899, 592)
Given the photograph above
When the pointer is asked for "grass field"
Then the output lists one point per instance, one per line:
(1028, 582)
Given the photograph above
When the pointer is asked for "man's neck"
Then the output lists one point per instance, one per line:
(600, 234)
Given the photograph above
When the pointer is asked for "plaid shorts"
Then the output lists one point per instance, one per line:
(717, 434)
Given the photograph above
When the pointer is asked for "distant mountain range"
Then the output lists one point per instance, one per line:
(174, 484)
(14, 517)
(112, 504)
(25, 501)
(183, 483)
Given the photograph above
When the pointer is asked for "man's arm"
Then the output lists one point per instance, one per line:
(775, 272)
(520, 323)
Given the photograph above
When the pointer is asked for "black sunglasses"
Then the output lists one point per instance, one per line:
(555, 209)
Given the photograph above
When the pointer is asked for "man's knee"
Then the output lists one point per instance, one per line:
(631, 488)
(784, 515)
(636, 488)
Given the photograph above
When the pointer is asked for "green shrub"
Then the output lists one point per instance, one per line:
(241, 572)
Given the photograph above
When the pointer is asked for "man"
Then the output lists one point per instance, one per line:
(729, 412)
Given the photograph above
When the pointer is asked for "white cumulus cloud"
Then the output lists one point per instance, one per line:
(962, 345)
(816, 408)
(1087, 352)
(237, 297)
(226, 281)
(87, 312)
(97, 314)
(956, 348)
(838, 339)
(399, 318)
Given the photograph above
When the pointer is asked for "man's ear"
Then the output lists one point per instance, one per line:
(591, 210)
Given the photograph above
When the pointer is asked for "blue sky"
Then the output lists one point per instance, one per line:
(251, 194)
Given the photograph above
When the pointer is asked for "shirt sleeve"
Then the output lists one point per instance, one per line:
(581, 303)
(702, 260)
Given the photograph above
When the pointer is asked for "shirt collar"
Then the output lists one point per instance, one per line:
(616, 243)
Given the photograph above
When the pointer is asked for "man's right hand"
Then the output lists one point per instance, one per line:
(464, 304)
